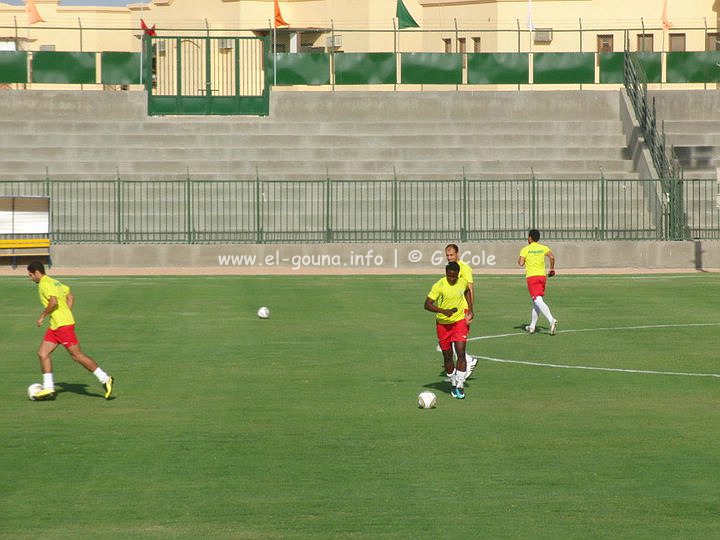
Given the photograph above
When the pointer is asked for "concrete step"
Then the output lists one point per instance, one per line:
(282, 166)
(251, 176)
(202, 127)
(693, 139)
(72, 104)
(242, 140)
(698, 126)
(390, 153)
(686, 104)
(445, 106)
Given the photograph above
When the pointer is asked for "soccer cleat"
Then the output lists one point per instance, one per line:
(471, 363)
(529, 329)
(108, 386)
(458, 393)
(46, 394)
(553, 327)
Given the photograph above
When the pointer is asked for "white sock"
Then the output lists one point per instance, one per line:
(48, 382)
(452, 376)
(533, 317)
(460, 378)
(101, 375)
(544, 309)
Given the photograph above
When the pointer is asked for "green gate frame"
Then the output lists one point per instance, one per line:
(206, 104)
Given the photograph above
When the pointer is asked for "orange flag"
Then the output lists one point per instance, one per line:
(279, 21)
(32, 12)
(666, 24)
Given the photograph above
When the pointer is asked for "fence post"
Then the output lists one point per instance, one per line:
(603, 207)
(533, 199)
(464, 209)
(118, 210)
(328, 210)
(258, 210)
(188, 211)
(395, 210)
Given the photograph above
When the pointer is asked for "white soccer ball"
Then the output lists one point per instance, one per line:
(427, 400)
(263, 313)
(33, 389)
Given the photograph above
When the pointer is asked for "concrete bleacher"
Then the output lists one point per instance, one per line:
(692, 126)
(318, 135)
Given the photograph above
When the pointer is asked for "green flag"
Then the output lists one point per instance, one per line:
(405, 20)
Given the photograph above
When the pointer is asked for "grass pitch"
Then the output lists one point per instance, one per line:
(305, 425)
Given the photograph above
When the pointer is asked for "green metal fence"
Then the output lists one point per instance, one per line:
(195, 211)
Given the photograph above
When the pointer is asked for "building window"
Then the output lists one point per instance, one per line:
(448, 45)
(677, 42)
(476, 44)
(645, 43)
(712, 42)
(605, 43)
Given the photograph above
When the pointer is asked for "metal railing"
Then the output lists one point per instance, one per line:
(196, 211)
(665, 161)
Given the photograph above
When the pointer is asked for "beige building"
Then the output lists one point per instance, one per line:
(369, 25)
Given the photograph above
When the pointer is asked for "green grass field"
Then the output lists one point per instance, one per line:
(305, 425)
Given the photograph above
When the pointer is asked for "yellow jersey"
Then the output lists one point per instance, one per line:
(448, 296)
(465, 271)
(62, 316)
(534, 259)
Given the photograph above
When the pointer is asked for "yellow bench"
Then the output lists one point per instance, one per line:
(24, 247)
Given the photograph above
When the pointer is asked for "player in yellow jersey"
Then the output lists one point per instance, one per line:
(452, 255)
(57, 301)
(449, 298)
(532, 257)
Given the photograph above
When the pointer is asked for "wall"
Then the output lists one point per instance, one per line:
(488, 257)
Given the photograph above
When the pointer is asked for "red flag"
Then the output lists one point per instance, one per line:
(666, 24)
(32, 12)
(148, 31)
(279, 21)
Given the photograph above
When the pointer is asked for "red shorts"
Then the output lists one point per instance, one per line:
(451, 333)
(62, 335)
(536, 286)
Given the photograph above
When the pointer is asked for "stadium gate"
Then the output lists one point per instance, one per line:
(203, 75)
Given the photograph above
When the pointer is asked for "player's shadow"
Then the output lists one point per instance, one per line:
(522, 326)
(80, 389)
(444, 386)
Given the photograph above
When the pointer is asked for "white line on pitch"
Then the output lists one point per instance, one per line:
(643, 327)
(590, 368)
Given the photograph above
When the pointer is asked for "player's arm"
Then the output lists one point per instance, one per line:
(521, 261)
(551, 258)
(470, 299)
(52, 306)
(430, 306)
(70, 299)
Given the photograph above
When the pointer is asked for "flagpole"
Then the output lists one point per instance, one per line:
(274, 28)
(142, 46)
(396, 39)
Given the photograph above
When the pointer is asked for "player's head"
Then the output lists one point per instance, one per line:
(451, 252)
(534, 235)
(36, 270)
(452, 271)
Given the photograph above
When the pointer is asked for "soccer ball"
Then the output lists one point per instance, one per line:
(33, 389)
(427, 400)
(263, 313)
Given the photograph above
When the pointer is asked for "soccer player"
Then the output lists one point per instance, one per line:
(532, 257)
(452, 255)
(58, 301)
(449, 298)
